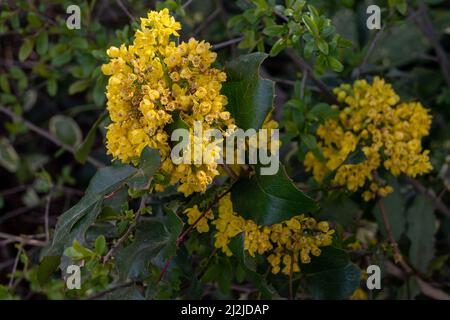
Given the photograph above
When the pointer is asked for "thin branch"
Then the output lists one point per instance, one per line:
(14, 269)
(46, 214)
(130, 230)
(13, 190)
(125, 10)
(398, 257)
(16, 212)
(291, 274)
(207, 22)
(426, 288)
(184, 6)
(47, 135)
(426, 26)
(227, 43)
(440, 206)
(164, 269)
(181, 238)
(186, 233)
(26, 240)
(305, 67)
(372, 47)
(115, 288)
(229, 171)
(303, 84)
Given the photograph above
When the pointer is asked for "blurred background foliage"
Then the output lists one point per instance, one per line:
(52, 112)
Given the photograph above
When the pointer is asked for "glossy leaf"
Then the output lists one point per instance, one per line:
(270, 199)
(250, 97)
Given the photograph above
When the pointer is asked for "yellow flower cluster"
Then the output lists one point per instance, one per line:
(194, 214)
(388, 131)
(296, 239)
(155, 80)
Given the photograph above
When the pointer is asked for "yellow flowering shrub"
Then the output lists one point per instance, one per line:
(152, 81)
(388, 131)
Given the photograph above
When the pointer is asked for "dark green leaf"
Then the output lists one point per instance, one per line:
(250, 97)
(321, 111)
(149, 163)
(83, 150)
(47, 267)
(356, 156)
(331, 275)
(421, 229)
(269, 199)
(73, 224)
(154, 242)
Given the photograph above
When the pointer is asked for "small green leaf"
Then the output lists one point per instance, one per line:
(321, 111)
(335, 64)
(66, 130)
(9, 159)
(26, 48)
(79, 86)
(274, 30)
(42, 43)
(4, 83)
(52, 87)
(310, 142)
(278, 47)
(322, 45)
(310, 25)
(100, 245)
(18, 74)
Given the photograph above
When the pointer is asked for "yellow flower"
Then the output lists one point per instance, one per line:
(299, 237)
(153, 79)
(388, 132)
